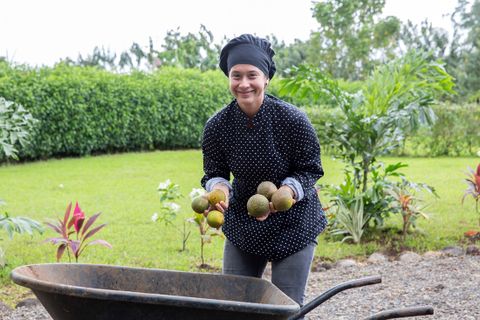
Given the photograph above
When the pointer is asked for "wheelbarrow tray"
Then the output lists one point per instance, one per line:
(88, 291)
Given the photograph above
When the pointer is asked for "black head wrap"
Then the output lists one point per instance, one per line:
(248, 49)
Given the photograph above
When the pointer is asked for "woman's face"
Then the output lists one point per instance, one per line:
(247, 84)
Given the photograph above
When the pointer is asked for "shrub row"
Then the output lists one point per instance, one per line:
(456, 131)
(86, 110)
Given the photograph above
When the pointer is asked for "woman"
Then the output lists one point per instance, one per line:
(256, 138)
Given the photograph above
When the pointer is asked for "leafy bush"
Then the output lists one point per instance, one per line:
(84, 110)
(455, 133)
(393, 103)
(15, 126)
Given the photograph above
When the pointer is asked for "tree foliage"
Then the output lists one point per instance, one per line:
(349, 33)
(393, 102)
(464, 58)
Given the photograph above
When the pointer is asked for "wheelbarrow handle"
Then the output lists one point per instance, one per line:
(333, 291)
(402, 313)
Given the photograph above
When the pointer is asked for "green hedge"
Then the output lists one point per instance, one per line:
(456, 131)
(86, 111)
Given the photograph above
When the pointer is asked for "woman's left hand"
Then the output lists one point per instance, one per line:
(272, 208)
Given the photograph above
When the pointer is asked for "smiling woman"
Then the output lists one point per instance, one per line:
(247, 84)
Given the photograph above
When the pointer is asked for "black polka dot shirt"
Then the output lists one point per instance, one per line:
(278, 144)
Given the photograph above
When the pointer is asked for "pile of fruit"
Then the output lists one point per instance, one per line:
(201, 203)
(258, 205)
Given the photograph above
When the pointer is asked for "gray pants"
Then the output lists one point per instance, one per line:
(289, 274)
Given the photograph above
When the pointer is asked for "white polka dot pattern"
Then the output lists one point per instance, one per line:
(278, 142)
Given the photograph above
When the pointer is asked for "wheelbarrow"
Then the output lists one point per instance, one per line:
(104, 292)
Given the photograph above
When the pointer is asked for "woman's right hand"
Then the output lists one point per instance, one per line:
(222, 206)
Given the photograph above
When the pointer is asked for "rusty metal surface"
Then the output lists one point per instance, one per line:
(83, 291)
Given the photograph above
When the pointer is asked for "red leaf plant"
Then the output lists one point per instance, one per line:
(82, 231)
(473, 189)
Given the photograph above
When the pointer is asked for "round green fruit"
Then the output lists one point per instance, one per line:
(282, 200)
(200, 204)
(215, 196)
(258, 205)
(215, 219)
(266, 188)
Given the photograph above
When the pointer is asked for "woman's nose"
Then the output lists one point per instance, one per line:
(244, 82)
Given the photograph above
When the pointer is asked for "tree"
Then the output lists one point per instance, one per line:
(287, 56)
(190, 51)
(100, 57)
(464, 57)
(425, 38)
(349, 33)
(393, 102)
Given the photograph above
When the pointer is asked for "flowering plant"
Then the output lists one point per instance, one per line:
(473, 189)
(170, 192)
(81, 230)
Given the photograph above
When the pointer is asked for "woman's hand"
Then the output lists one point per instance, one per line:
(272, 208)
(222, 206)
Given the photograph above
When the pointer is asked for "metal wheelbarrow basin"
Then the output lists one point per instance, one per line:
(88, 291)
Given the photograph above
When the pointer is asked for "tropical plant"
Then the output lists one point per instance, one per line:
(473, 189)
(18, 225)
(351, 220)
(15, 126)
(393, 103)
(82, 231)
(375, 200)
(407, 203)
(206, 232)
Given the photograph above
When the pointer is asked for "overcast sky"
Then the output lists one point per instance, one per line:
(41, 32)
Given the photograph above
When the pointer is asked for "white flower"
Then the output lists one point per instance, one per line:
(61, 185)
(196, 192)
(154, 217)
(478, 153)
(164, 185)
(172, 206)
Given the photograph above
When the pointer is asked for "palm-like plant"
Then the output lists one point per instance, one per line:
(392, 104)
(351, 220)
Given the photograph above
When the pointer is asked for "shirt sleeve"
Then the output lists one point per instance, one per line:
(215, 166)
(306, 163)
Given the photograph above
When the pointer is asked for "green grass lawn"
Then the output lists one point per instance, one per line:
(123, 187)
